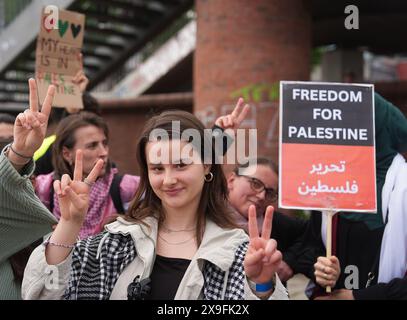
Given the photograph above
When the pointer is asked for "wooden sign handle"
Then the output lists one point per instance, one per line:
(329, 214)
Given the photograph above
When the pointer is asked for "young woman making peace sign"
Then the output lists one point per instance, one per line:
(178, 230)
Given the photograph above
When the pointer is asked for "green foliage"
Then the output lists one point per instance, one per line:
(316, 56)
(302, 214)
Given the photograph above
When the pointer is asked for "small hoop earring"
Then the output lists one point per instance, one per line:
(210, 174)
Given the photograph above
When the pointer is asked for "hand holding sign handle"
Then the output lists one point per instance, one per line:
(327, 268)
(262, 258)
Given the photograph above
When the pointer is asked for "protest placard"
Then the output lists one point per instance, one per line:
(58, 58)
(327, 147)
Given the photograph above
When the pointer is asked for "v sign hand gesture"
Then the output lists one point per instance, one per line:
(31, 125)
(73, 195)
(233, 120)
(262, 257)
(80, 78)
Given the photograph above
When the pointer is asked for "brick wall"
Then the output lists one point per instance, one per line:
(243, 49)
(125, 125)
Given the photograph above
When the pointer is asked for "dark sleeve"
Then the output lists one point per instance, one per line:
(222, 139)
(288, 233)
(290, 256)
(396, 289)
(312, 247)
(393, 121)
(44, 164)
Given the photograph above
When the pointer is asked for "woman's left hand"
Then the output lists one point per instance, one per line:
(262, 258)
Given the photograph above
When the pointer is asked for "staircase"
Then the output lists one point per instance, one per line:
(114, 31)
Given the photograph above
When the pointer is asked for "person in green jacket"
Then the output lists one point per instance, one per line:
(19, 228)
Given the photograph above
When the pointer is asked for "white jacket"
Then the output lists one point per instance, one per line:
(218, 246)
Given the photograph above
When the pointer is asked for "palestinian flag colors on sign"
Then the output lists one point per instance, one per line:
(327, 146)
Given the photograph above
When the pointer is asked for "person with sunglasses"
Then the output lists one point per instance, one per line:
(257, 185)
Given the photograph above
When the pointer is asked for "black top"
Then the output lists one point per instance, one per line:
(288, 232)
(44, 164)
(357, 245)
(166, 276)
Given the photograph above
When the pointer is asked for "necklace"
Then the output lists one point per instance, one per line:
(168, 230)
(175, 243)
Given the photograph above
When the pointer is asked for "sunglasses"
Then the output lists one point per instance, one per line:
(258, 186)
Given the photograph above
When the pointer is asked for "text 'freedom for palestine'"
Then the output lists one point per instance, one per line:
(327, 133)
(327, 95)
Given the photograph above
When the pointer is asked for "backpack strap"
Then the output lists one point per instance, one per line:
(51, 197)
(114, 192)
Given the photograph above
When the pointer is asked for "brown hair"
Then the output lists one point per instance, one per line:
(213, 202)
(259, 161)
(65, 137)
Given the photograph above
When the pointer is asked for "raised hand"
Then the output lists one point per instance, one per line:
(73, 195)
(262, 257)
(80, 78)
(327, 271)
(233, 120)
(31, 125)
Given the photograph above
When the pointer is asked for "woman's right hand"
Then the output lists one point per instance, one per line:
(30, 126)
(73, 195)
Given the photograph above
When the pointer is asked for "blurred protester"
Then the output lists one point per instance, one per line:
(257, 185)
(369, 250)
(111, 193)
(178, 231)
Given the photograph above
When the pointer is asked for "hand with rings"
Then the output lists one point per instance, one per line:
(73, 195)
(327, 271)
(89, 183)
